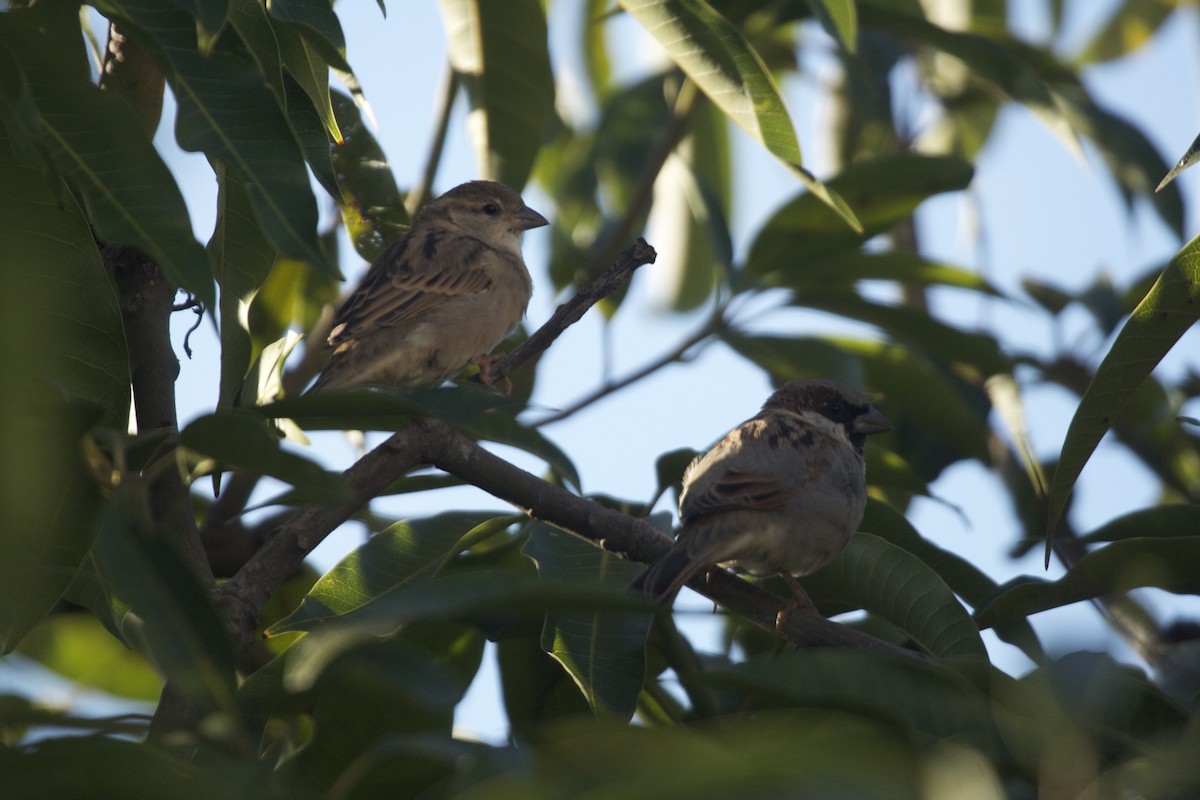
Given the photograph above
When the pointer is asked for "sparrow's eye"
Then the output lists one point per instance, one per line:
(491, 209)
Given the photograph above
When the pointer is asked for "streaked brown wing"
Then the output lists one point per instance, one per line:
(733, 490)
(411, 278)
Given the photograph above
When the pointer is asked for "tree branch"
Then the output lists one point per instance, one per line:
(436, 443)
(571, 311)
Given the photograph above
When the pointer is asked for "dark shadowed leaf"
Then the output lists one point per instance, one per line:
(241, 258)
(1158, 522)
(839, 18)
(372, 206)
(98, 143)
(876, 575)
(227, 112)
(408, 552)
(177, 619)
(964, 578)
(1156, 324)
(723, 64)
(500, 54)
(913, 695)
(245, 441)
(603, 652)
(372, 408)
(1167, 564)
(882, 191)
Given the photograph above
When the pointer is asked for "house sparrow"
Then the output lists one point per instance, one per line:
(781, 493)
(438, 298)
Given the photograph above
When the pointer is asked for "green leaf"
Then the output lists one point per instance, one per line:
(1167, 563)
(1163, 316)
(723, 64)
(964, 578)
(604, 653)
(876, 575)
(1157, 522)
(317, 22)
(312, 135)
(372, 206)
(241, 258)
(1130, 25)
(311, 72)
(691, 209)
(839, 18)
(1001, 63)
(244, 441)
(910, 269)
(1190, 157)
(409, 552)
(228, 113)
(500, 54)
(79, 648)
(210, 19)
(97, 142)
(372, 408)
(883, 191)
(181, 628)
(945, 343)
(914, 696)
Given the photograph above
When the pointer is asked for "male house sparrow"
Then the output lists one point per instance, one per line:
(781, 493)
(438, 298)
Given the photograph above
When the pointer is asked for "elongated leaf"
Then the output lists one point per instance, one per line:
(245, 441)
(372, 408)
(372, 205)
(1131, 24)
(1000, 63)
(62, 354)
(1156, 324)
(839, 18)
(883, 191)
(210, 18)
(1168, 564)
(100, 146)
(874, 574)
(182, 629)
(915, 696)
(1157, 522)
(915, 328)
(318, 23)
(718, 58)
(500, 53)
(79, 648)
(892, 265)
(1190, 157)
(409, 552)
(604, 653)
(241, 258)
(311, 73)
(227, 112)
(964, 578)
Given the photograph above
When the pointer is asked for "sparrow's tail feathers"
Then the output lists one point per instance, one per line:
(664, 578)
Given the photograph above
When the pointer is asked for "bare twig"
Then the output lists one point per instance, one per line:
(680, 353)
(571, 311)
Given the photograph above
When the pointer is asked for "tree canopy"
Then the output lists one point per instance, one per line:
(160, 563)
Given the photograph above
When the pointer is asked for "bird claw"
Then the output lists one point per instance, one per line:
(485, 374)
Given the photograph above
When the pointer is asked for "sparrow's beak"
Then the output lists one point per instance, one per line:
(527, 218)
(871, 422)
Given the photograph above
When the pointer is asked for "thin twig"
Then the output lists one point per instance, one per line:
(571, 311)
(680, 353)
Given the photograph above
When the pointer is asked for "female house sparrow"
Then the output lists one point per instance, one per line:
(781, 493)
(440, 297)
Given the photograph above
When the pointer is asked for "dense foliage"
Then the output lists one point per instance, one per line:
(115, 547)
